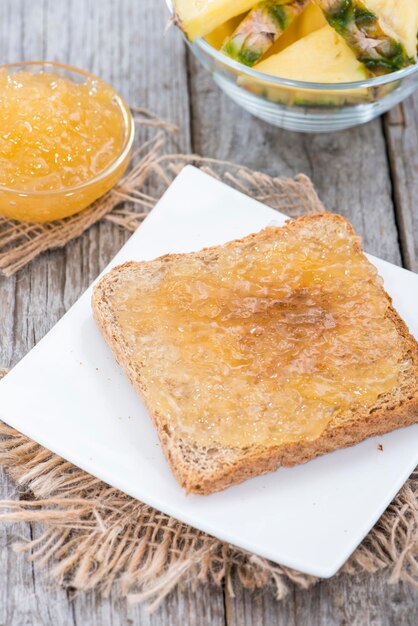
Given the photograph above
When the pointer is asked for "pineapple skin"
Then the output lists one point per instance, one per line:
(217, 37)
(261, 28)
(366, 35)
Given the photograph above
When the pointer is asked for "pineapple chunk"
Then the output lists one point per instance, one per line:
(321, 57)
(267, 21)
(312, 19)
(373, 40)
(197, 18)
(402, 17)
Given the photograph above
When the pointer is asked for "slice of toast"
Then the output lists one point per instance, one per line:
(263, 352)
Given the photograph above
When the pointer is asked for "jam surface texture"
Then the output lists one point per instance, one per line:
(263, 341)
(55, 133)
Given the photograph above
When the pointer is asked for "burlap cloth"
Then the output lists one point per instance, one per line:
(96, 537)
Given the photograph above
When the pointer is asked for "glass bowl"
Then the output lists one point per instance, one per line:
(43, 206)
(303, 106)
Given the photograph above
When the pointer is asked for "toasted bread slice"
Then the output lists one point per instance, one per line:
(263, 352)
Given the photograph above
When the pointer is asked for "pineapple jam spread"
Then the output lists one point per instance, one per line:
(56, 134)
(265, 342)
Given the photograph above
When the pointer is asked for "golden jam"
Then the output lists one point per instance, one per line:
(264, 343)
(56, 134)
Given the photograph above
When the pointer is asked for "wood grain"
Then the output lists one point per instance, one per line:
(345, 601)
(401, 130)
(25, 598)
(181, 608)
(122, 41)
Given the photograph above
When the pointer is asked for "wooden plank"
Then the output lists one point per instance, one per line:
(123, 43)
(260, 607)
(26, 596)
(353, 601)
(181, 607)
(401, 128)
(351, 174)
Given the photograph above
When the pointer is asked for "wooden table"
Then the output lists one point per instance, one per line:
(369, 174)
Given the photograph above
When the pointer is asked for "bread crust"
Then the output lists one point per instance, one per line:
(229, 466)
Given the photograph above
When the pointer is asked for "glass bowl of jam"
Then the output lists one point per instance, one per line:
(65, 140)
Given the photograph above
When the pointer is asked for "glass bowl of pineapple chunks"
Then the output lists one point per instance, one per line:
(306, 65)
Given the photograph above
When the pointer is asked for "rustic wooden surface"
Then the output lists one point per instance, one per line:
(369, 174)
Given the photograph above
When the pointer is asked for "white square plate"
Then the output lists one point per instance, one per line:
(69, 394)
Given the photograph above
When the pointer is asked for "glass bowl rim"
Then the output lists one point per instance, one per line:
(375, 81)
(128, 129)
